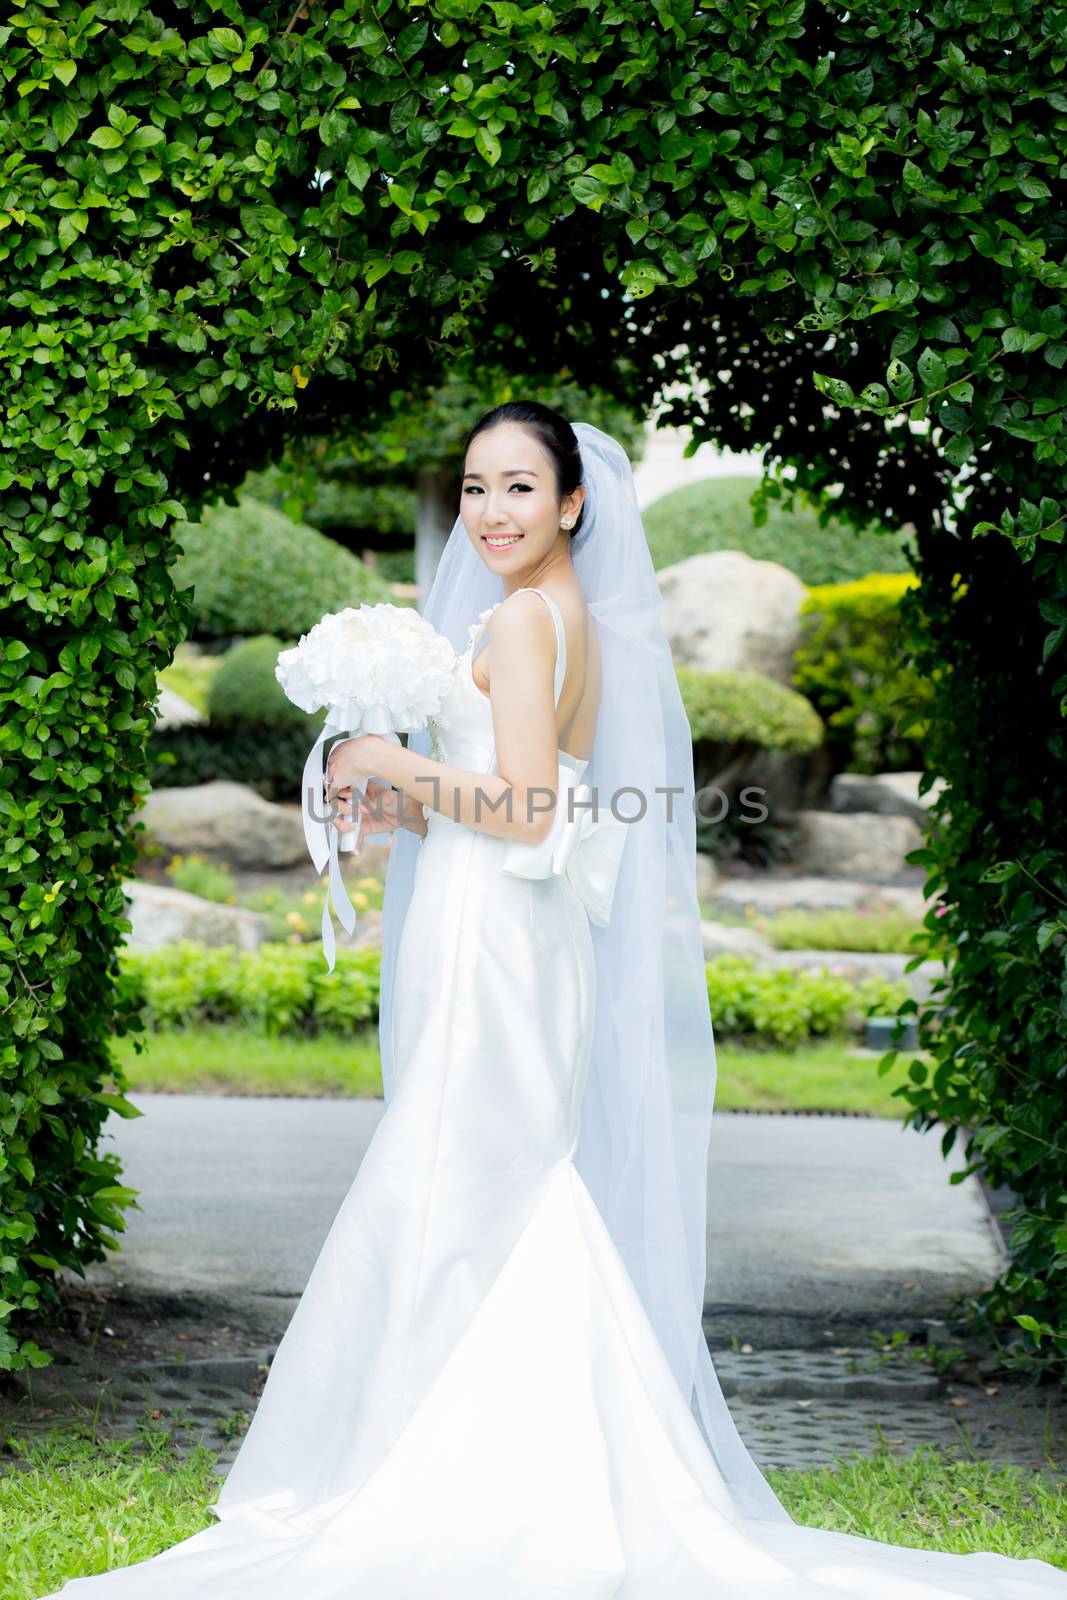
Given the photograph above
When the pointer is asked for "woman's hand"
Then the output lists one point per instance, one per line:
(351, 762)
(380, 811)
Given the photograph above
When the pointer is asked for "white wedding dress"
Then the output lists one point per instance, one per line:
(470, 1402)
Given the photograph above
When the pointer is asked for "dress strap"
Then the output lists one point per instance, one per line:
(561, 642)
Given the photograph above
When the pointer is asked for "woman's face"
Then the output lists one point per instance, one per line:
(508, 500)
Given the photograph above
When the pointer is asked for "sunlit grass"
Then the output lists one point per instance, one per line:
(228, 1060)
(933, 1501)
(71, 1506)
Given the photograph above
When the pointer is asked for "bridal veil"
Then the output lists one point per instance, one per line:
(646, 1114)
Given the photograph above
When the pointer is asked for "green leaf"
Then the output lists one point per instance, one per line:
(488, 146)
(64, 120)
(107, 138)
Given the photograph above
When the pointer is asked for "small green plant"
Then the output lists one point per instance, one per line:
(195, 874)
(233, 1426)
(787, 1007)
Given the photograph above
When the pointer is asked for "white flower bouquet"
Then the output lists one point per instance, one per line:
(377, 669)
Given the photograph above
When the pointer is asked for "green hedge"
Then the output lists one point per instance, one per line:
(285, 989)
(852, 664)
(268, 758)
(748, 708)
(716, 514)
(253, 570)
(246, 689)
(785, 1006)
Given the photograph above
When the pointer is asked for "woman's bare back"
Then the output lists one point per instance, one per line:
(579, 700)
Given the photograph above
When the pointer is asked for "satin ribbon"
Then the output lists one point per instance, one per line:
(323, 839)
(585, 851)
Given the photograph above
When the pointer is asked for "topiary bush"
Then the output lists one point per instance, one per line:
(746, 708)
(716, 514)
(253, 571)
(852, 663)
(245, 688)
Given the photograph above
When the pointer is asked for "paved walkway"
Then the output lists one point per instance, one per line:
(822, 1229)
(812, 1220)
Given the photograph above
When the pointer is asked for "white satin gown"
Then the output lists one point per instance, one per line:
(470, 1402)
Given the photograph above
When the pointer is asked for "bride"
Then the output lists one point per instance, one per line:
(496, 1386)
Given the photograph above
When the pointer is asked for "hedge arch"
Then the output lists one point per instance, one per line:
(224, 224)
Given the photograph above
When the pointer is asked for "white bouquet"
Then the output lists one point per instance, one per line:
(377, 669)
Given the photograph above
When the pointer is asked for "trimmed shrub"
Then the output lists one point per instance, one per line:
(748, 708)
(715, 514)
(787, 1007)
(253, 570)
(853, 665)
(246, 689)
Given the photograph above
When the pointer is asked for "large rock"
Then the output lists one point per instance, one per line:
(163, 916)
(890, 794)
(725, 939)
(861, 844)
(856, 965)
(174, 712)
(725, 612)
(227, 821)
(769, 895)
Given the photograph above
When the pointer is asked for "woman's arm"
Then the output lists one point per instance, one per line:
(518, 801)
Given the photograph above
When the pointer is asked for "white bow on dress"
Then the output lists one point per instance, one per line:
(585, 850)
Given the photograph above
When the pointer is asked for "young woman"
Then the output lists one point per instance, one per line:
(496, 1386)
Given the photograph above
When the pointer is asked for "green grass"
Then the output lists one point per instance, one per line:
(822, 1077)
(73, 1506)
(878, 928)
(229, 1060)
(933, 1501)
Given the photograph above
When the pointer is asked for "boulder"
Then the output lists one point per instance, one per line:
(889, 794)
(163, 916)
(860, 844)
(769, 895)
(724, 939)
(226, 821)
(174, 712)
(725, 612)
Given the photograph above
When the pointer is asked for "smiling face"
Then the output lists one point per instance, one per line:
(509, 501)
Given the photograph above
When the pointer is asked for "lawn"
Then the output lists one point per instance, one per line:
(829, 1076)
(71, 1506)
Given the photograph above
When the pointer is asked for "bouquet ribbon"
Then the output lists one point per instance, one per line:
(322, 837)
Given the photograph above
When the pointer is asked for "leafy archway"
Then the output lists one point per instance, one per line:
(224, 225)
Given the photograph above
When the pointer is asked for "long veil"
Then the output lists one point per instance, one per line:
(646, 1114)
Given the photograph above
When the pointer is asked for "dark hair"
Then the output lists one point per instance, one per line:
(554, 434)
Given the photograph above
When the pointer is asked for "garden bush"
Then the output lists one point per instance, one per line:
(279, 988)
(748, 709)
(852, 665)
(283, 988)
(785, 1007)
(716, 514)
(253, 570)
(245, 689)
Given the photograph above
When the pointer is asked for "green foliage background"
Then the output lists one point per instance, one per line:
(223, 225)
(852, 664)
(715, 514)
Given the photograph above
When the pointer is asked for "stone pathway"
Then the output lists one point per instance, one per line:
(793, 1408)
